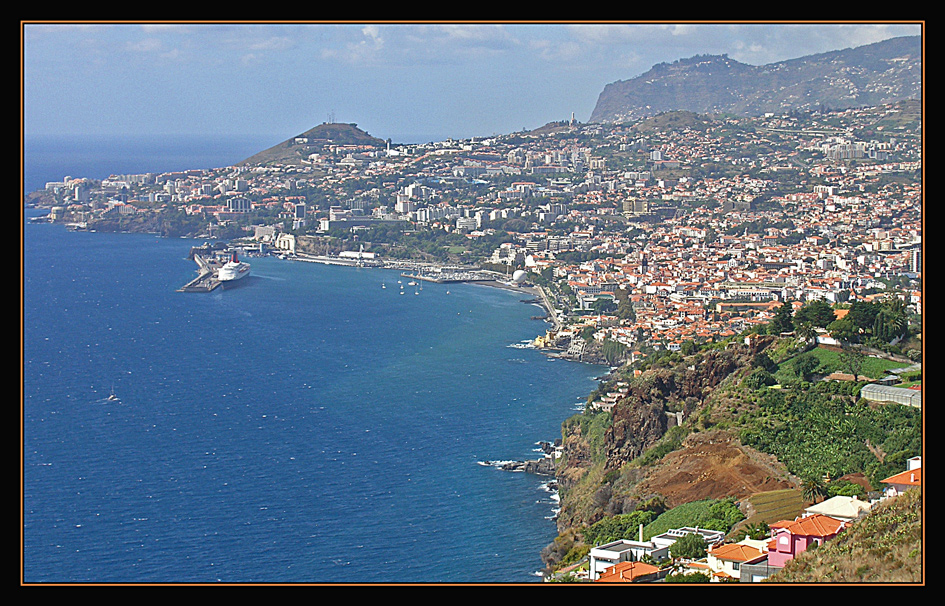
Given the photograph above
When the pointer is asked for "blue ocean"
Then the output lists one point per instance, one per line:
(309, 426)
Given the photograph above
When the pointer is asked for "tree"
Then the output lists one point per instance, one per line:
(863, 314)
(604, 306)
(852, 361)
(888, 324)
(762, 360)
(843, 330)
(693, 577)
(813, 489)
(757, 531)
(806, 331)
(819, 313)
(759, 378)
(690, 546)
(845, 488)
(804, 365)
(782, 320)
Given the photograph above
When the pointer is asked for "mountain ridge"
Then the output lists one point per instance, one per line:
(872, 74)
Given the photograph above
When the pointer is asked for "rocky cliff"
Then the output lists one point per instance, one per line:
(595, 474)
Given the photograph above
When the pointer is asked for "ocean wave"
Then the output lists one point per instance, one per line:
(496, 464)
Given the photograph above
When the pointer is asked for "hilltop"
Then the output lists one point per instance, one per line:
(875, 74)
(317, 140)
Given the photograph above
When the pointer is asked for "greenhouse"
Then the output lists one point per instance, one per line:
(897, 395)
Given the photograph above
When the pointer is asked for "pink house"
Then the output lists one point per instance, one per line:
(789, 539)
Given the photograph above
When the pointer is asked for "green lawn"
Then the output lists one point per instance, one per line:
(875, 368)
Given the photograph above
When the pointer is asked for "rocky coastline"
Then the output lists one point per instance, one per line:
(545, 466)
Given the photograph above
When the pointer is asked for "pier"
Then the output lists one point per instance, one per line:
(206, 280)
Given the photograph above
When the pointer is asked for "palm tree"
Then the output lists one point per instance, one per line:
(814, 490)
(806, 331)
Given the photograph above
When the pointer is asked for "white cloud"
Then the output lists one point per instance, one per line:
(374, 34)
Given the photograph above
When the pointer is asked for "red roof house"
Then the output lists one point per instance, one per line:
(901, 482)
(788, 539)
(629, 572)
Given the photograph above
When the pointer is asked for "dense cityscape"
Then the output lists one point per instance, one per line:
(643, 240)
(680, 228)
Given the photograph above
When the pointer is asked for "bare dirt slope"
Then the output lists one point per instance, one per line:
(714, 465)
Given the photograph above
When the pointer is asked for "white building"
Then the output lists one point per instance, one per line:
(603, 557)
(285, 242)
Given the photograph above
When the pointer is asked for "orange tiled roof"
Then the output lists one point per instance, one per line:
(913, 477)
(735, 552)
(626, 572)
(817, 525)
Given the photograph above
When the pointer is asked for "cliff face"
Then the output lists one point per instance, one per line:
(641, 418)
(593, 478)
(874, 74)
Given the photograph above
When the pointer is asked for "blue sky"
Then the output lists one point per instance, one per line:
(393, 80)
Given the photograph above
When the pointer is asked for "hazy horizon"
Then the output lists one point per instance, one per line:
(443, 80)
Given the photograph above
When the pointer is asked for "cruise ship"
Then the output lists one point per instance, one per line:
(233, 270)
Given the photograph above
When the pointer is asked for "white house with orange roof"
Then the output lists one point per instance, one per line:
(725, 561)
(901, 482)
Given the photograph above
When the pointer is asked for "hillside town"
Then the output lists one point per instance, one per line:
(650, 235)
(642, 239)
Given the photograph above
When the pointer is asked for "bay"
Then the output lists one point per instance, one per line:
(308, 426)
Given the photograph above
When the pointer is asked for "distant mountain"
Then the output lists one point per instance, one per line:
(313, 141)
(875, 74)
